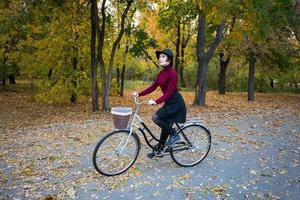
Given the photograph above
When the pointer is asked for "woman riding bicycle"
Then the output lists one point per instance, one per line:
(174, 108)
(118, 150)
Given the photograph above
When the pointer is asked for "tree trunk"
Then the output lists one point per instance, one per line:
(222, 75)
(272, 83)
(50, 73)
(181, 68)
(118, 77)
(261, 85)
(184, 42)
(124, 63)
(73, 97)
(106, 91)
(200, 92)
(76, 34)
(94, 62)
(204, 58)
(5, 58)
(236, 79)
(105, 100)
(252, 61)
(224, 63)
(122, 80)
(100, 37)
(12, 79)
(177, 47)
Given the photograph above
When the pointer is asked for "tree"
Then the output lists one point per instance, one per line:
(13, 18)
(224, 58)
(94, 61)
(203, 57)
(264, 23)
(106, 76)
(54, 50)
(126, 51)
(186, 36)
(177, 15)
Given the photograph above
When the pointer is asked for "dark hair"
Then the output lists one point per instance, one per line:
(171, 61)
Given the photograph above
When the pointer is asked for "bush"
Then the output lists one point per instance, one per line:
(56, 93)
(64, 90)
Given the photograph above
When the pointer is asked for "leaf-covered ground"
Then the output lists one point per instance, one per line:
(45, 151)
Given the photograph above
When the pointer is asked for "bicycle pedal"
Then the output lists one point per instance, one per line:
(151, 155)
(160, 155)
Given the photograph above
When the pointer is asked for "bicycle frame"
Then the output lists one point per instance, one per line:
(140, 121)
(144, 127)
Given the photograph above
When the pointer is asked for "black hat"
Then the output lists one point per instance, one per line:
(168, 52)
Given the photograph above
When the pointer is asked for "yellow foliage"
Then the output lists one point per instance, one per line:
(54, 95)
(114, 87)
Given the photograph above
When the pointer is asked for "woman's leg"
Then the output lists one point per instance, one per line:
(163, 136)
(162, 124)
(174, 137)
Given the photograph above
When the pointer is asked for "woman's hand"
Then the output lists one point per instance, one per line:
(151, 102)
(135, 94)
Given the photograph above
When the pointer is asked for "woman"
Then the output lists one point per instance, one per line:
(174, 109)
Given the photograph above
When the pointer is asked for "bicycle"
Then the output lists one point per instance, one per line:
(118, 150)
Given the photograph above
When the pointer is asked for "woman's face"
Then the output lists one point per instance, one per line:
(163, 59)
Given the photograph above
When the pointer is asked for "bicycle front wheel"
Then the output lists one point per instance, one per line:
(193, 147)
(116, 152)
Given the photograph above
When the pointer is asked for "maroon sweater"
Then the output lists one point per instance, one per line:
(167, 80)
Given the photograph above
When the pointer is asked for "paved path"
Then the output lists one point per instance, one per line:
(252, 157)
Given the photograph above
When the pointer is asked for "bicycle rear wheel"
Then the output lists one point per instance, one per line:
(193, 147)
(116, 152)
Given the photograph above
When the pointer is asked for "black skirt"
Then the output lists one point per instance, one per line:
(174, 109)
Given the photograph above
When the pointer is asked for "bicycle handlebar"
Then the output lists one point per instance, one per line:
(137, 101)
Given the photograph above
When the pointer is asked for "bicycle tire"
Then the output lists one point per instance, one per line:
(186, 150)
(109, 166)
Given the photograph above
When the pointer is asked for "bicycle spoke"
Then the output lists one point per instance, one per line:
(115, 153)
(197, 142)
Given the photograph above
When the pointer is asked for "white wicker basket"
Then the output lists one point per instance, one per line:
(121, 116)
